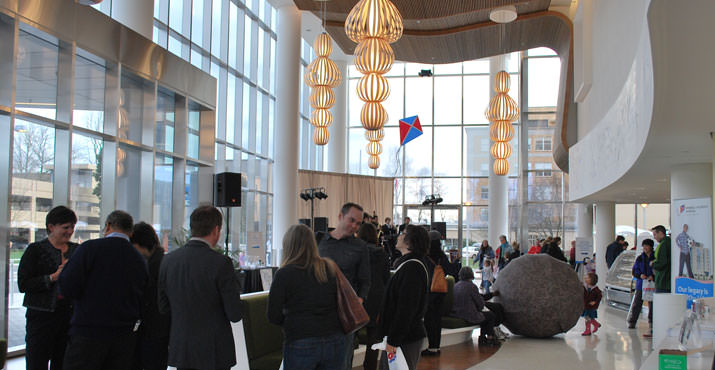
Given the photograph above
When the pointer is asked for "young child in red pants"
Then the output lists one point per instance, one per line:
(591, 299)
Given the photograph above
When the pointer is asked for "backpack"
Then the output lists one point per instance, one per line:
(439, 282)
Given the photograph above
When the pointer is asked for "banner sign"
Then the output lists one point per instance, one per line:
(584, 248)
(691, 247)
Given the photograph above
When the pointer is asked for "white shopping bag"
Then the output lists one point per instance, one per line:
(395, 361)
(648, 290)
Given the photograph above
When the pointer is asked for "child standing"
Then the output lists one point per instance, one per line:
(487, 274)
(591, 299)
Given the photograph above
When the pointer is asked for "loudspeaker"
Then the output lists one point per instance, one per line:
(321, 224)
(441, 227)
(304, 221)
(227, 189)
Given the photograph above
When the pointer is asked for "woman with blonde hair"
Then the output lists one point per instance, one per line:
(303, 301)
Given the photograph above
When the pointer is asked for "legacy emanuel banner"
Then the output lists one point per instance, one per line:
(691, 247)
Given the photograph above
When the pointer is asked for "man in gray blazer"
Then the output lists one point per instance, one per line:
(197, 285)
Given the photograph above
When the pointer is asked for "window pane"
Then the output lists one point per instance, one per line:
(193, 130)
(89, 91)
(476, 191)
(391, 157)
(33, 162)
(37, 68)
(447, 100)
(176, 13)
(447, 157)
(163, 177)
(417, 189)
(448, 69)
(544, 51)
(476, 66)
(418, 98)
(393, 104)
(248, 25)
(232, 34)
(165, 105)
(197, 22)
(131, 109)
(86, 187)
(476, 99)
(191, 191)
(544, 74)
(412, 69)
(358, 156)
(449, 189)
(128, 173)
(354, 104)
(476, 151)
(418, 155)
(216, 28)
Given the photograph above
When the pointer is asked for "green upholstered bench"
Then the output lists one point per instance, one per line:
(264, 341)
(449, 322)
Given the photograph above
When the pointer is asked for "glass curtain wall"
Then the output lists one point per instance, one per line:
(234, 41)
(451, 157)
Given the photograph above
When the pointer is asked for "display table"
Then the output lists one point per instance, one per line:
(251, 279)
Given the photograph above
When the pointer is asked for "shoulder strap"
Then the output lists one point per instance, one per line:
(418, 261)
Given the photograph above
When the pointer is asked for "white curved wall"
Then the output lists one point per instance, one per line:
(618, 109)
(617, 26)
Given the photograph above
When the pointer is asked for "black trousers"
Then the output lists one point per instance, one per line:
(637, 306)
(46, 337)
(498, 310)
(151, 353)
(370, 361)
(111, 353)
(433, 319)
(487, 326)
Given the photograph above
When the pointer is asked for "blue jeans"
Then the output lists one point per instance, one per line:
(315, 353)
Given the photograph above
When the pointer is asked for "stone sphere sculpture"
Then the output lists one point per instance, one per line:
(541, 295)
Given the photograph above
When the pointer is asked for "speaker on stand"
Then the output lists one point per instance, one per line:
(227, 193)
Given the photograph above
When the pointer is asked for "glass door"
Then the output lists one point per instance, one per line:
(451, 215)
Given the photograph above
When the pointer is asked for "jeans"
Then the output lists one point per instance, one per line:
(315, 353)
(685, 260)
(486, 284)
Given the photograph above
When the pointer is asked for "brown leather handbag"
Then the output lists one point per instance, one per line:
(351, 313)
(439, 282)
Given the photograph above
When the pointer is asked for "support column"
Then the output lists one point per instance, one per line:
(285, 167)
(135, 14)
(584, 217)
(498, 185)
(691, 181)
(605, 234)
(337, 146)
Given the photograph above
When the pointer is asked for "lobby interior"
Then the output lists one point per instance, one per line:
(135, 104)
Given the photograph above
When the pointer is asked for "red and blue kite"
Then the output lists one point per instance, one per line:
(410, 129)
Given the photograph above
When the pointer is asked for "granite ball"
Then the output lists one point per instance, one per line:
(541, 295)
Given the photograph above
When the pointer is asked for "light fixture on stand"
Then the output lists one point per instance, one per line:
(311, 194)
(374, 25)
(501, 112)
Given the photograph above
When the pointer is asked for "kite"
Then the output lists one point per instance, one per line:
(410, 129)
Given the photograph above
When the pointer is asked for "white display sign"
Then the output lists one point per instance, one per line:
(255, 246)
(584, 248)
(691, 247)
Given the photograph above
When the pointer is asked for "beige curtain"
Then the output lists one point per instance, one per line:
(374, 194)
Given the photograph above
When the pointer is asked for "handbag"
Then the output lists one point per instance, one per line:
(351, 313)
(439, 282)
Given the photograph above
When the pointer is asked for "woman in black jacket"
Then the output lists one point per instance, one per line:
(304, 301)
(379, 274)
(406, 296)
(48, 314)
(152, 351)
(433, 316)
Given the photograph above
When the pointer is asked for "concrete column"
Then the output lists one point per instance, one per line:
(498, 185)
(605, 234)
(584, 217)
(337, 146)
(135, 14)
(692, 180)
(285, 168)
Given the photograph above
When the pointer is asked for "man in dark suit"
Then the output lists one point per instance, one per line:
(106, 279)
(197, 285)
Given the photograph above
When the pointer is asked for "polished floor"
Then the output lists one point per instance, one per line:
(612, 347)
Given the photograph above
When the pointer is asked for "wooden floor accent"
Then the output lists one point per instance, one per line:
(457, 357)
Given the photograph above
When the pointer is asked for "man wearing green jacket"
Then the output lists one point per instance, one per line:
(661, 265)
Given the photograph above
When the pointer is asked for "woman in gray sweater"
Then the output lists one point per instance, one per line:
(468, 305)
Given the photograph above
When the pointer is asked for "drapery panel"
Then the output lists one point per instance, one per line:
(374, 194)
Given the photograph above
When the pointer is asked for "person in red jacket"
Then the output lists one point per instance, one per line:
(591, 299)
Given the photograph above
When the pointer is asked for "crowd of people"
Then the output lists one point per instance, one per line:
(120, 302)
